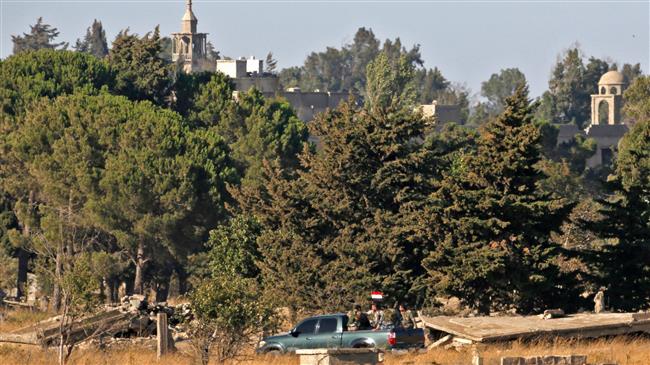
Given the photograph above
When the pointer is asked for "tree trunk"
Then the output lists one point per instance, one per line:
(58, 272)
(139, 267)
(23, 255)
(23, 261)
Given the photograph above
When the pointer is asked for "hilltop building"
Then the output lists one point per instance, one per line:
(188, 46)
(606, 126)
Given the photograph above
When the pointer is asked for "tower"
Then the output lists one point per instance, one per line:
(188, 46)
(606, 105)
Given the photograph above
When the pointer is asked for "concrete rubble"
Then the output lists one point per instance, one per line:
(449, 332)
(133, 318)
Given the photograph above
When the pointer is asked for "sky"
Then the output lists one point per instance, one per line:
(467, 40)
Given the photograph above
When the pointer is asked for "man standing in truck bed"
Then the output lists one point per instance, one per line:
(408, 320)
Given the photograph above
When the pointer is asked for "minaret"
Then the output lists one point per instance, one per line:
(188, 46)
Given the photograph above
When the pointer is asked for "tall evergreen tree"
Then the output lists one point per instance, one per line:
(329, 225)
(140, 71)
(40, 36)
(623, 264)
(94, 41)
(491, 222)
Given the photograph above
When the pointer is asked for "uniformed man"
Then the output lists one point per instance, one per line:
(358, 320)
(376, 316)
(407, 318)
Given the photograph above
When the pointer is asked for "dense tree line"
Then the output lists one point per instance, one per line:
(124, 169)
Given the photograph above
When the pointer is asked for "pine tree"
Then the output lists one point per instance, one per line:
(140, 71)
(491, 223)
(623, 264)
(94, 41)
(331, 232)
(40, 36)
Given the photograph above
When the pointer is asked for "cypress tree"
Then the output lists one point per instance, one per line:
(94, 41)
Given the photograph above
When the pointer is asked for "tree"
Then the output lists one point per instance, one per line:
(40, 36)
(30, 77)
(492, 223)
(94, 41)
(229, 312)
(331, 229)
(255, 128)
(164, 187)
(568, 99)
(621, 264)
(271, 63)
(500, 86)
(636, 98)
(140, 72)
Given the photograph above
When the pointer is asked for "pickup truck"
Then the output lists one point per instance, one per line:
(331, 331)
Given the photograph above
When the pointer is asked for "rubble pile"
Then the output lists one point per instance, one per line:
(133, 319)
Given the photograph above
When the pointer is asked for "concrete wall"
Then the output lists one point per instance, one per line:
(232, 68)
(265, 84)
(308, 104)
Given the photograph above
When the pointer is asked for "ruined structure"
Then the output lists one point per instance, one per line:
(188, 46)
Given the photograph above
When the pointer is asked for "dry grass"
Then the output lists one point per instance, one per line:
(11, 320)
(621, 350)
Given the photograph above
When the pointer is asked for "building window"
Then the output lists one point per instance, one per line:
(603, 112)
(613, 90)
(607, 156)
(603, 90)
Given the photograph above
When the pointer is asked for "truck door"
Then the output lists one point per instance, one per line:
(303, 335)
(328, 334)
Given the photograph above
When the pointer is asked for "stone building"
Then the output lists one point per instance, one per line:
(188, 46)
(606, 126)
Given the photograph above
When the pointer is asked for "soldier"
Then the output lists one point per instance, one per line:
(358, 319)
(376, 316)
(407, 319)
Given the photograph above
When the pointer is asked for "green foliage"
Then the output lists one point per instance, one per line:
(94, 41)
(229, 313)
(255, 128)
(140, 72)
(40, 36)
(636, 99)
(233, 248)
(491, 222)
(500, 86)
(623, 264)
(331, 231)
(29, 76)
(568, 99)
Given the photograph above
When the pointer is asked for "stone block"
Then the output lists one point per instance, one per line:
(338, 356)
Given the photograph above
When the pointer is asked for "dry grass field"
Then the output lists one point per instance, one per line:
(621, 350)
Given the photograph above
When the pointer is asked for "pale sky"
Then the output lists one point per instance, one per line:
(467, 40)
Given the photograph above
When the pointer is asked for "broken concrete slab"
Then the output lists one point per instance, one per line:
(490, 329)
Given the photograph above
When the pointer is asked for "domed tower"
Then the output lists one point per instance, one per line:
(606, 105)
(188, 46)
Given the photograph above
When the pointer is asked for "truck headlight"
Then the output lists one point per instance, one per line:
(261, 344)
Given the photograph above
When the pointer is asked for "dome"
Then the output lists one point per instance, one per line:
(612, 78)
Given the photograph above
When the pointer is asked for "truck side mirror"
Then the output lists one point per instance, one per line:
(294, 333)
